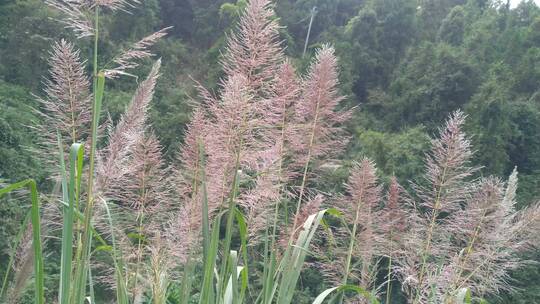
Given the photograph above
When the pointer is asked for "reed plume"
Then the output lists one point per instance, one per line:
(159, 269)
(66, 105)
(131, 176)
(22, 267)
(445, 189)
(127, 60)
(254, 49)
(355, 251)
(75, 16)
(77, 13)
(395, 218)
(183, 232)
(491, 234)
(468, 230)
(232, 124)
(112, 165)
(393, 226)
(318, 117)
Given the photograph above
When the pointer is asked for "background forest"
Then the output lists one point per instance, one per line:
(404, 64)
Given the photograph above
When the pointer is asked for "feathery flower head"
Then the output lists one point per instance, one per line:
(318, 115)
(128, 59)
(67, 105)
(112, 165)
(254, 50)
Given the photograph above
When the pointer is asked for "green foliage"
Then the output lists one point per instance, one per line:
(452, 27)
(435, 81)
(399, 154)
(16, 117)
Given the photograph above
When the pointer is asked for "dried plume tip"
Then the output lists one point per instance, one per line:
(127, 60)
(254, 49)
(76, 16)
(319, 117)
(448, 168)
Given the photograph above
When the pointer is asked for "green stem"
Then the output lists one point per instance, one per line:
(99, 82)
(389, 280)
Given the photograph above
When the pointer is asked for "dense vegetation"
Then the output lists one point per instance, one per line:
(405, 65)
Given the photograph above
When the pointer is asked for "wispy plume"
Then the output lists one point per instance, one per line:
(159, 269)
(112, 165)
(232, 139)
(247, 125)
(275, 161)
(183, 229)
(128, 59)
(475, 265)
(491, 236)
(22, 267)
(280, 120)
(254, 49)
(395, 218)
(144, 188)
(76, 16)
(318, 111)
(447, 168)
(358, 242)
(66, 105)
(363, 200)
(446, 188)
(132, 178)
(122, 5)
(318, 117)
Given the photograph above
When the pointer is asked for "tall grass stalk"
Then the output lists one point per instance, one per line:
(70, 195)
(83, 256)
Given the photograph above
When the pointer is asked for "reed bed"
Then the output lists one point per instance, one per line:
(236, 217)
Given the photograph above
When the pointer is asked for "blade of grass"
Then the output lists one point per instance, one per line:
(224, 269)
(323, 295)
(86, 239)
(187, 280)
(231, 292)
(207, 291)
(71, 196)
(464, 296)
(242, 228)
(294, 257)
(91, 284)
(210, 242)
(18, 238)
(36, 235)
